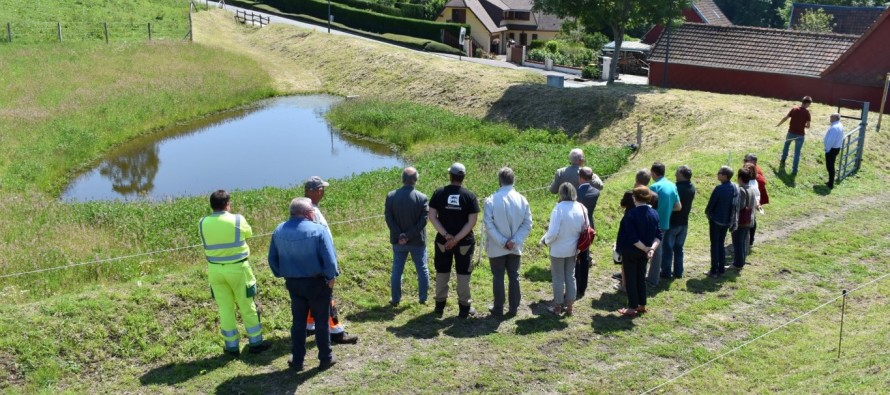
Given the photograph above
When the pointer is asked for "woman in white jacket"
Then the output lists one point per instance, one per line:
(566, 223)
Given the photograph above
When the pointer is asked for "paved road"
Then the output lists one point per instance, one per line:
(569, 78)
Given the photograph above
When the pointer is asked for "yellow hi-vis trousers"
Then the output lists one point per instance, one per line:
(234, 284)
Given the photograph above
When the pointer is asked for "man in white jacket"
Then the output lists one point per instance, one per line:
(508, 222)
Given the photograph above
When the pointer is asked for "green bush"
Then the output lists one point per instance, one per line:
(433, 46)
(591, 72)
(416, 11)
(537, 44)
(563, 53)
(368, 21)
(552, 46)
(368, 5)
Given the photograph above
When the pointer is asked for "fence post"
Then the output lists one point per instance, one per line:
(639, 135)
(59, 24)
(9, 31)
(191, 32)
(105, 24)
(863, 126)
(841, 338)
(149, 31)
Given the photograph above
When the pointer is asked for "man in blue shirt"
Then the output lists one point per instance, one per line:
(302, 252)
(668, 202)
(723, 215)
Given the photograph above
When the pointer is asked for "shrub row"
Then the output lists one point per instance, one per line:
(563, 54)
(367, 20)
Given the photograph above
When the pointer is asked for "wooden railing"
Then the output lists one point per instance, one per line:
(246, 17)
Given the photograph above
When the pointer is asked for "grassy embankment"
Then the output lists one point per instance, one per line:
(36, 21)
(160, 331)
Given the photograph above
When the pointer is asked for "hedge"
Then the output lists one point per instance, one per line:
(367, 5)
(367, 20)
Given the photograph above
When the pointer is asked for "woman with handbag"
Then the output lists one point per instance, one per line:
(567, 220)
(638, 237)
(747, 205)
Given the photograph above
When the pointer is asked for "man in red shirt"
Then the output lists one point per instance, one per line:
(800, 121)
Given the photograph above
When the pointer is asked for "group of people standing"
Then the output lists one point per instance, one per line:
(649, 243)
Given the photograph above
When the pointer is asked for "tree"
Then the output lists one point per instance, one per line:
(760, 13)
(618, 15)
(815, 21)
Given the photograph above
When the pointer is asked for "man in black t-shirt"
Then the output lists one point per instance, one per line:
(453, 212)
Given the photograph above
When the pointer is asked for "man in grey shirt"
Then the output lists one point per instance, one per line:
(406, 212)
(569, 173)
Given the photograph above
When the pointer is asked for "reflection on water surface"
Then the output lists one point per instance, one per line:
(280, 142)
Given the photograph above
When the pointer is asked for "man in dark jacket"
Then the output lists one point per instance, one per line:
(723, 213)
(406, 212)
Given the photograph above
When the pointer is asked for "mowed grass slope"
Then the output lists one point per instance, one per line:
(152, 326)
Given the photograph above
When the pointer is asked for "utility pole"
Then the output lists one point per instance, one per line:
(667, 48)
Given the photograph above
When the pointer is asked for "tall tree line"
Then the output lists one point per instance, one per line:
(775, 13)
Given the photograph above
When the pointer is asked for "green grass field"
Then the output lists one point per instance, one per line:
(148, 324)
(33, 22)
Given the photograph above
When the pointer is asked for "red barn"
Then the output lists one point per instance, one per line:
(776, 63)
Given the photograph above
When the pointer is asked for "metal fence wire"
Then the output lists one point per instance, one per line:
(38, 32)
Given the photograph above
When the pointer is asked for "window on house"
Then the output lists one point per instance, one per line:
(523, 39)
(522, 16)
(458, 15)
(511, 36)
(534, 37)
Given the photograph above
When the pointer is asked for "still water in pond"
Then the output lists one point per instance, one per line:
(280, 142)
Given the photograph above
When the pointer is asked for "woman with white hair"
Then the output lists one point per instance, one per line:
(566, 222)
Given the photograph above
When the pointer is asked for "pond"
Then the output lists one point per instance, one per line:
(279, 142)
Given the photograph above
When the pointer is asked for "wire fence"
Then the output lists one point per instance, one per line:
(37, 32)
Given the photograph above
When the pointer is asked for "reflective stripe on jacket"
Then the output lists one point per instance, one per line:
(223, 235)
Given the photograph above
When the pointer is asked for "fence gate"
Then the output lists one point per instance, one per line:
(850, 157)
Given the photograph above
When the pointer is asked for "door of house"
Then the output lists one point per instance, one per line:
(523, 39)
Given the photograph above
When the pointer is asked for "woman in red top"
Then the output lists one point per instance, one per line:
(761, 185)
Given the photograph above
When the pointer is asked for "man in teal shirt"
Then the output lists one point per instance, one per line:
(668, 202)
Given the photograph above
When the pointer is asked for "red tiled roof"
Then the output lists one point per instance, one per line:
(763, 50)
(711, 13)
(845, 20)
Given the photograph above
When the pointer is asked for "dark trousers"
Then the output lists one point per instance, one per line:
(462, 256)
(510, 264)
(718, 250)
(634, 264)
(582, 271)
(740, 246)
(309, 294)
(830, 160)
(751, 233)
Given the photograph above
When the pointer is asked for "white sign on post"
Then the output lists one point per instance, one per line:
(463, 35)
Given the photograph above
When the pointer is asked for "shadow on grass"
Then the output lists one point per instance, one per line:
(174, 373)
(609, 301)
(538, 274)
(821, 190)
(708, 284)
(571, 110)
(543, 320)
(377, 314)
(790, 180)
(605, 324)
(428, 326)
(278, 382)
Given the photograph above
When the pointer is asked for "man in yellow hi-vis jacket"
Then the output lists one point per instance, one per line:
(231, 280)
